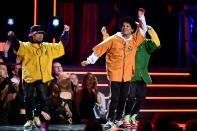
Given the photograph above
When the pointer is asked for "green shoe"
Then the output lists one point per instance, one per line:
(126, 121)
(133, 121)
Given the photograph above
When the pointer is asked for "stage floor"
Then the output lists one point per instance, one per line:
(76, 127)
(79, 127)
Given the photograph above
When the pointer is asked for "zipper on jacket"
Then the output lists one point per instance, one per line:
(141, 75)
(40, 62)
(123, 60)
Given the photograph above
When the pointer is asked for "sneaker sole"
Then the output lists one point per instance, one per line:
(37, 126)
(28, 128)
(109, 128)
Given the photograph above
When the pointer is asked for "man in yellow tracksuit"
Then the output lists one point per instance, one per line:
(37, 57)
(120, 52)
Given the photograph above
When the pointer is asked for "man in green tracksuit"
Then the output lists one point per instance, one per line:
(141, 77)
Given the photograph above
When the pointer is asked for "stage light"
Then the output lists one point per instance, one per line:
(10, 21)
(56, 22)
(55, 28)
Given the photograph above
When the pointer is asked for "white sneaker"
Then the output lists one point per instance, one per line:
(28, 124)
(108, 125)
(120, 124)
(37, 121)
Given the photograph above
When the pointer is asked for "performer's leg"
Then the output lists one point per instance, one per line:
(115, 93)
(141, 90)
(43, 103)
(130, 102)
(29, 102)
(131, 99)
(124, 92)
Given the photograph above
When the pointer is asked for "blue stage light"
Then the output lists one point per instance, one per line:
(56, 22)
(10, 21)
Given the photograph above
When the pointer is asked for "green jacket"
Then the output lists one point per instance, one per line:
(142, 58)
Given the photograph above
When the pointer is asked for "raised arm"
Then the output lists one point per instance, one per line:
(58, 49)
(104, 45)
(104, 33)
(13, 40)
(153, 35)
(65, 35)
(142, 21)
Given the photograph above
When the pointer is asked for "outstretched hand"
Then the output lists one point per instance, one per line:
(84, 63)
(141, 11)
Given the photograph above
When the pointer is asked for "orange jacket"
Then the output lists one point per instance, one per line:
(120, 57)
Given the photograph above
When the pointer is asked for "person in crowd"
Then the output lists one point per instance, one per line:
(144, 125)
(191, 125)
(56, 70)
(86, 98)
(17, 114)
(75, 82)
(7, 94)
(93, 126)
(61, 95)
(163, 122)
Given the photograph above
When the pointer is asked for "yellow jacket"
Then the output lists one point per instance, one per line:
(37, 59)
(120, 58)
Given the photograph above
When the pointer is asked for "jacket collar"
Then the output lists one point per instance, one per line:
(119, 34)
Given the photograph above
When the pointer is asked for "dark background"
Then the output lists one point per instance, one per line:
(86, 18)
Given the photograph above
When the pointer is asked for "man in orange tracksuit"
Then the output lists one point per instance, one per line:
(120, 52)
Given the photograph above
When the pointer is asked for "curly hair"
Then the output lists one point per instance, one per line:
(130, 20)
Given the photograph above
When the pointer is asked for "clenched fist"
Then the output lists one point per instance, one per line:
(66, 28)
(104, 31)
(141, 11)
(10, 33)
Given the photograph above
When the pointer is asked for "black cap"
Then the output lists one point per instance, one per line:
(35, 29)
